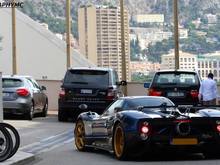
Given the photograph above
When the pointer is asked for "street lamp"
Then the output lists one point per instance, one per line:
(176, 33)
(123, 54)
(68, 32)
(14, 53)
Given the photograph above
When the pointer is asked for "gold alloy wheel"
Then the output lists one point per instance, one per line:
(79, 136)
(119, 142)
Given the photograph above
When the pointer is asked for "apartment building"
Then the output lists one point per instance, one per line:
(100, 36)
(187, 61)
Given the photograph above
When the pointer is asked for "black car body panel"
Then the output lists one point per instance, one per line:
(182, 87)
(168, 128)
(87, 89)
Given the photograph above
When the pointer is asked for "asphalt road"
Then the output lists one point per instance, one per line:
(52, 143)
(68, 155)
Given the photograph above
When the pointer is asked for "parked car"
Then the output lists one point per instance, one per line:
(87, 89)
(182, 87)
(133, 126)
(23, 96)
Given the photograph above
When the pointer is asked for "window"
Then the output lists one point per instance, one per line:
(215, 73)
(110, 110)
(202, 64)
(11, 83)
(215, 64)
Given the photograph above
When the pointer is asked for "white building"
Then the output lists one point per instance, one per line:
(209, 63)
(39, 52)
(187, 61)
(149, 18)
(212, 18)
(148, 36)
(183, 33)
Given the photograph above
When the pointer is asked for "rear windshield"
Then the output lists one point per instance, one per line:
(134, 103)
(176, 78)
(100, 78)
(11, 83)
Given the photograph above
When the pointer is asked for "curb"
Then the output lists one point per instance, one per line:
(19, 158)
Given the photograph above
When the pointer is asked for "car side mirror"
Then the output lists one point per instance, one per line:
(43, 88)
(122, 83)
(146, 85)
(117, 109)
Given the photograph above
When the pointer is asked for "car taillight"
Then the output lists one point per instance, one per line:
(194, 93)
(144, 130)
(110, 94)
(22, 92)
(218, 126)
(62, 93)
(154, 92)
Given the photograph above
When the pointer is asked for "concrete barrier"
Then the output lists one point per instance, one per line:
(53, 89)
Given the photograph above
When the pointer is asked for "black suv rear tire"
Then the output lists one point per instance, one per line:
(62, 115)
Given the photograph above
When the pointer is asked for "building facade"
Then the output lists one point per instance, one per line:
(187, 61)
(100, 36)
(144, 67)
(209, 64)
(149, 18)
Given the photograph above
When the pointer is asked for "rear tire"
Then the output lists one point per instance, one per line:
(62, 115)
(211, 153)
(30, 113)
(45, 110)
(119, 143)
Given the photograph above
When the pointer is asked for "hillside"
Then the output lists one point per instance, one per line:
(53, 12)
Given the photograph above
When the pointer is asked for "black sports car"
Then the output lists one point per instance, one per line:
(135, 125)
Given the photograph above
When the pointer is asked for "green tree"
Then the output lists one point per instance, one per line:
(141, 78)
(135, 49)
(159, 48)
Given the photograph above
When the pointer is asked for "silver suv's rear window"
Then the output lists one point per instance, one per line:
(180, 78)
(87, 77)
(11, 83)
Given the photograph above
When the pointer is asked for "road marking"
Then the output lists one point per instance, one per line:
(49, 143)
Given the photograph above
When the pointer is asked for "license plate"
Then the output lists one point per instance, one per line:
(6, 94)
(184, 141)
(175, 94)
(86, 91)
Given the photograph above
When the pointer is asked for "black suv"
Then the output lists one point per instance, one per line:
(87, 89)
(182, 87)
